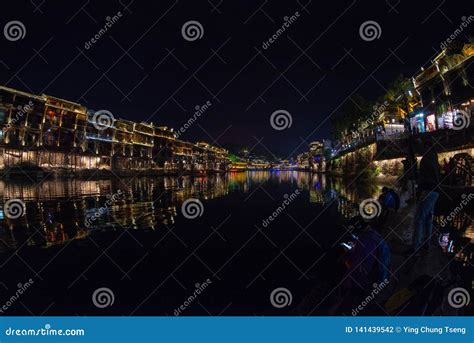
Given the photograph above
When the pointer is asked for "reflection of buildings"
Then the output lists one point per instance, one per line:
(63, 136)
(324, 190)
(61, 210)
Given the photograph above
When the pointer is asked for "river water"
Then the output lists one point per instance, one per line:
(62, 210)
(132, 237)
(245, 235)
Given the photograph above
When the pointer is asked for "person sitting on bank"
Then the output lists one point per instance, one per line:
(428, 183)
(389, 199)
(390, 202)
(368, 259)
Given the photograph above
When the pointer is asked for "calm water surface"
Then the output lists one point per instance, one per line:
(139, 245)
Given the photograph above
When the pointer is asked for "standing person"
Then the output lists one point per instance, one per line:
(428, 183)
(446, 167)
(409, 167)
(452, 167)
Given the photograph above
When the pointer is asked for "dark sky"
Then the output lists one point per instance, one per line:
(143, 69)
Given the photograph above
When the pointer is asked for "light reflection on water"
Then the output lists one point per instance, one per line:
(57, 210)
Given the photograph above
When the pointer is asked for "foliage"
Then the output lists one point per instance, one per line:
(355, 110)
(396, 95)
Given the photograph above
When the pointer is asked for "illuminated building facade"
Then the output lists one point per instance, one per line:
(58, 135)
(445, 89)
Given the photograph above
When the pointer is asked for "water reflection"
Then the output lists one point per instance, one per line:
(323, 189)
(61, 210)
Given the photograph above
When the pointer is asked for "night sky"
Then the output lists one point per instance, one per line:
(143, 69)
